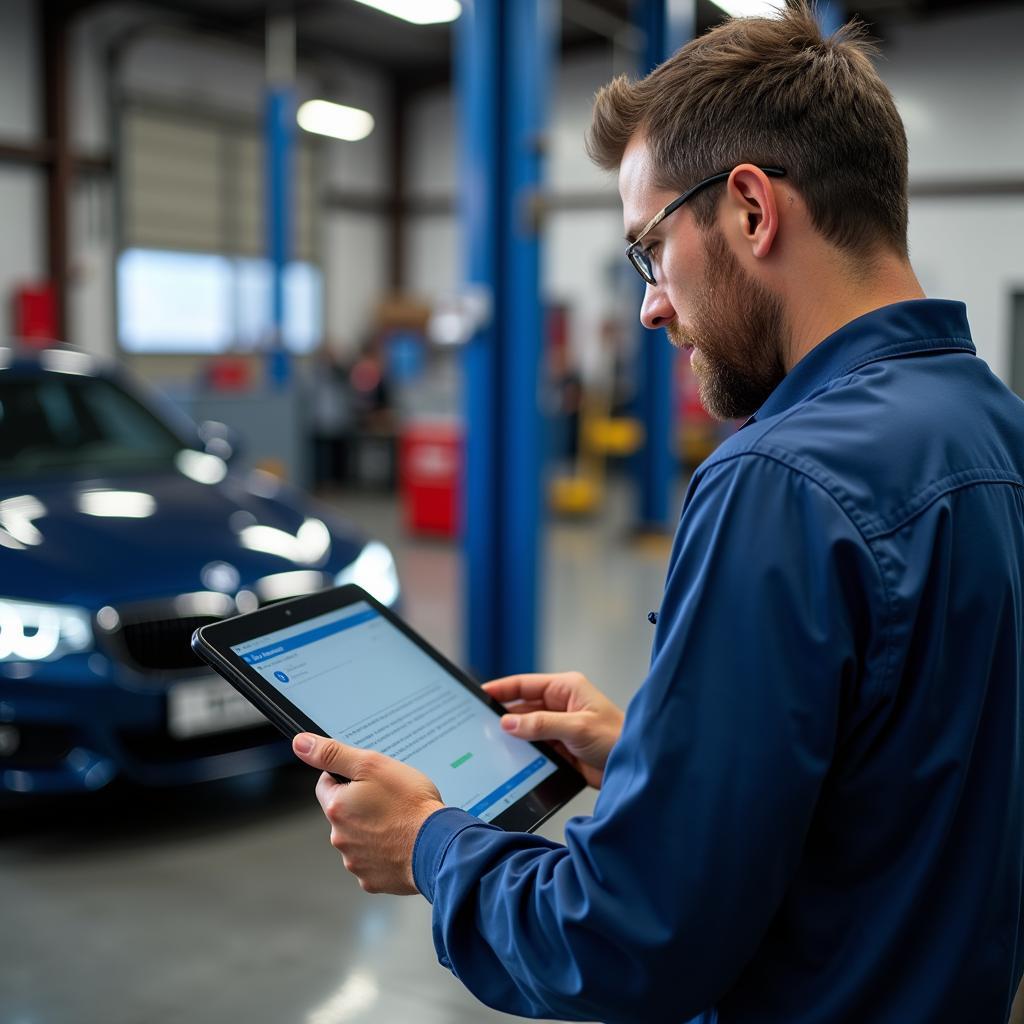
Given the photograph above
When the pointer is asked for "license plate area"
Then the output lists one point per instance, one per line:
(199, 707)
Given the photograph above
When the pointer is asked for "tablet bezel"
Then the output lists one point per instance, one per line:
(213, 643)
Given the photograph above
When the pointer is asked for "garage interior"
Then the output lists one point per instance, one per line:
(316, 303)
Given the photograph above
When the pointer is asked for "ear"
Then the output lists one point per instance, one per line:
(753, 208)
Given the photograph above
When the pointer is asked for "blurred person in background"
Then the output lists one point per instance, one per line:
(812, 809)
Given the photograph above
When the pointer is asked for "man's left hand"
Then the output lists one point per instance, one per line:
(376, 817)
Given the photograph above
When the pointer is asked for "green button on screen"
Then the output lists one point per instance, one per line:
(461, 760)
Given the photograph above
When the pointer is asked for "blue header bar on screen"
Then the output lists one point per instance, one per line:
(311, 636)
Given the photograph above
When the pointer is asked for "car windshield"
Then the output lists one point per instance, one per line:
(56, 420)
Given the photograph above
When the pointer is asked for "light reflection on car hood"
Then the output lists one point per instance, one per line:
(109, 540)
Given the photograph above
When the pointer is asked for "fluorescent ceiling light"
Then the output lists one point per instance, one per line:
(419, 12)
(334, 119)
(751, 8)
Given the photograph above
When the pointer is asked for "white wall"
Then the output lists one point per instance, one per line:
(20, 98)
(970, 249)
(355, 242)
(22, 240)
(959, 84)
(356, 245)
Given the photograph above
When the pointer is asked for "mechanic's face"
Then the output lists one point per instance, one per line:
(732, 325)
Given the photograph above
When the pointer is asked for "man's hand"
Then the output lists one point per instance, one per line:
(565, 708)
(376, 817)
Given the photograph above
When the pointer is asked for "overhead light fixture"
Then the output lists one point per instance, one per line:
(751, 8)
(419, 12)
(335, 120)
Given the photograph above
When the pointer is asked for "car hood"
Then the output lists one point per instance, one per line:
(110, 540)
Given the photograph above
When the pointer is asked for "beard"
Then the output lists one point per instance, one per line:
(737, 332)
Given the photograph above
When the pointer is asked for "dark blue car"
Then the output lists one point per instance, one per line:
(123, 527)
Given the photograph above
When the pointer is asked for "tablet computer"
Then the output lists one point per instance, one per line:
(341, 664)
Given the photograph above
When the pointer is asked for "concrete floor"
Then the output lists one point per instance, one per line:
(226, 901)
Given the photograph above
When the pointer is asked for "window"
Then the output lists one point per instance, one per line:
(191, 277)
(190, 302)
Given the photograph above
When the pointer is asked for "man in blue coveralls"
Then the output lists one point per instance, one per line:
(813, 809)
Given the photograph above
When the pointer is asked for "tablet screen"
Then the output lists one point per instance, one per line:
(364, 682)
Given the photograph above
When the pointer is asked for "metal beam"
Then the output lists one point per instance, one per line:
(396, 212)
(54, 18)
(504, 51)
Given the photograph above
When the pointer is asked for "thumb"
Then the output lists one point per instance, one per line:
(328, 755)
(545, 725)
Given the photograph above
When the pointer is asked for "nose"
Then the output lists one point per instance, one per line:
(656, 311)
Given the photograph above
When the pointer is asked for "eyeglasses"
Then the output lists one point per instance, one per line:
(639, 258)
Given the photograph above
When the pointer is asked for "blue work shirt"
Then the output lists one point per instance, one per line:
(814, 813)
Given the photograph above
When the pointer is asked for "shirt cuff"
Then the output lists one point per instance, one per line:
(435, 836)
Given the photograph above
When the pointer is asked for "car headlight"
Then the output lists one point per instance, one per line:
(35, 632)
(373, 570)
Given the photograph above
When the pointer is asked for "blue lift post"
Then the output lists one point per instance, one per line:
(279, 147)
(504, 50)
(667, 25)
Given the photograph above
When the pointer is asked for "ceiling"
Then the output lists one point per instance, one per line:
(329, 30)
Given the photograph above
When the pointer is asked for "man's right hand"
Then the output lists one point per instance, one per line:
(567, 710)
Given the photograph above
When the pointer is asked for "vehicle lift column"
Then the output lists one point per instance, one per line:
(666, 25)
(504, 51)
(279, 147)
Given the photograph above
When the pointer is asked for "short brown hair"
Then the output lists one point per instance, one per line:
(773, 92)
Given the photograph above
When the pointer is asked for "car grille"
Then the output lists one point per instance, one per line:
(154, 637)
(163, 644)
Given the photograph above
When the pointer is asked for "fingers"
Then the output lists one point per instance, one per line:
(569, 727)
(524, 707)
(328, 755)
(530, 686)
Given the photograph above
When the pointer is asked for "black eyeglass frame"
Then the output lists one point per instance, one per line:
(638, 258)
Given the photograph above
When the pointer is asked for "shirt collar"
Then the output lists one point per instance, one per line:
(901, 329)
